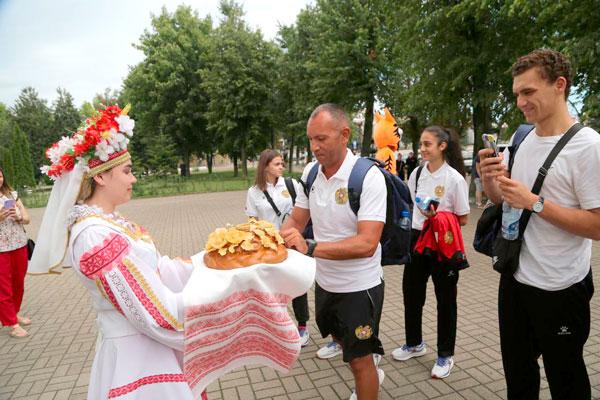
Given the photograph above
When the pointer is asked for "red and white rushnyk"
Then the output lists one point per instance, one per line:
(239, 317)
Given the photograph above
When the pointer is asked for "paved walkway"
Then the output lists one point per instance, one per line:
(54, 363)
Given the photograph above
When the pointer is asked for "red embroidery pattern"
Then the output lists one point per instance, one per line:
(253, 323)
(247, 326)
(148, 380)
(144, 299)
(198, 326)
(109, 293)
(246, 345)
(104, 257)
(219, 307)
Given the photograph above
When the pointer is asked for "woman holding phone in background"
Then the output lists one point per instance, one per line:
(440, 178)
(270, 199)
(13, 258)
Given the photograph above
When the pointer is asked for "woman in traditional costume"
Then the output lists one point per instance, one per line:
(136, 292)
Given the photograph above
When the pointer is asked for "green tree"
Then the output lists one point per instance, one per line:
(295, 99)
(107, 98)
(5, 125)
(67, 118)
(162, 155)
(166, 88)
(34, 118)
(23, 174)
(453, 62)
(87, 110)
(238, 82)
(573, 28)
(349, 58)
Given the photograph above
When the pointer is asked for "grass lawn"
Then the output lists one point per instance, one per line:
(154, 186)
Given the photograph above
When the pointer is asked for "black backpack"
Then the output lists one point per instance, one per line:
(289, 184)
(395, 241)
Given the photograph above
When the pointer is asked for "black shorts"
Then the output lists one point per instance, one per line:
(352, 319)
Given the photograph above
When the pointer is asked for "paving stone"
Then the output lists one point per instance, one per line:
(55, 361)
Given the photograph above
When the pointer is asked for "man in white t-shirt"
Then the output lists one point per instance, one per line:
(349, 285)
(544, 308)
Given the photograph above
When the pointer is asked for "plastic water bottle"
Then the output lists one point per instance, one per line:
(419, 202)
(405, 221)
(510, 221)
(424, 204)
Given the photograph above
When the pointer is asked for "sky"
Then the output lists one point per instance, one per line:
(85, 46)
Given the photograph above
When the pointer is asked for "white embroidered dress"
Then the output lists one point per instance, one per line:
(138, 297)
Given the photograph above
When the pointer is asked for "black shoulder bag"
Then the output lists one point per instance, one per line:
(490, 220)
(506, 252)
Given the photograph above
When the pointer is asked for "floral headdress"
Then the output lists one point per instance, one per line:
(99, 145)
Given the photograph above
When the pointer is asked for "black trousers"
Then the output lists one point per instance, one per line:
(414, 288)
(300, 306)
(553, 324)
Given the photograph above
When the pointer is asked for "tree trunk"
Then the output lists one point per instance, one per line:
(481, 123)
(185, 165)
(415, 135)
(297, 155)
(291, 154)
(273, 138)
(368, 128)
(308, 151)
(209, 161)
(244, 161)
(235, 165)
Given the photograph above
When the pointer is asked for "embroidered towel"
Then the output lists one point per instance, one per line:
(239, 317)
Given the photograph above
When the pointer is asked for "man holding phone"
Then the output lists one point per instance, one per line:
(544, 307)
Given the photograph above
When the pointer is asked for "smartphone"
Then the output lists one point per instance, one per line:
(489, 142)
(10, 203)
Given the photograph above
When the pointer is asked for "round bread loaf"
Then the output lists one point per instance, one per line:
(242, 258)
(255, 242)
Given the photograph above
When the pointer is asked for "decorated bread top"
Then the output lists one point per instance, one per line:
(253, 242)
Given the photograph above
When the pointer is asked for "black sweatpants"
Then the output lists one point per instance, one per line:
(300, 306)
(414, 287)
(553, 324)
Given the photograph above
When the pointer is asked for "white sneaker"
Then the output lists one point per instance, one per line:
(330, 350)
(380, 376)
(407, 352)
(442, 367)
(304, 336)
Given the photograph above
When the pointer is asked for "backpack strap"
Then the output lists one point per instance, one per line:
(272, 203)
(419, 170)
(310, 179)
(289, 184)
(520, 134)
(355, 181)
(543, 172)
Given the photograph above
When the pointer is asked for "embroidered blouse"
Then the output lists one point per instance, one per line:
(12, 234)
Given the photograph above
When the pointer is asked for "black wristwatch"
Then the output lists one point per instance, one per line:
(311, 247)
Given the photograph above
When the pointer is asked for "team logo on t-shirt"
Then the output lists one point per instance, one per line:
(285, 194)
(341, 196)
(439, 191)
(363, 332)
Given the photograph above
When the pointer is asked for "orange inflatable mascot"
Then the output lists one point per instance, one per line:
(386, 136)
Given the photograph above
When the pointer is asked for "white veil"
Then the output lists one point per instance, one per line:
(53, 238)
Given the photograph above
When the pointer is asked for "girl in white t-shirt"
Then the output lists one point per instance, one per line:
(441, 178)
(271, 200)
